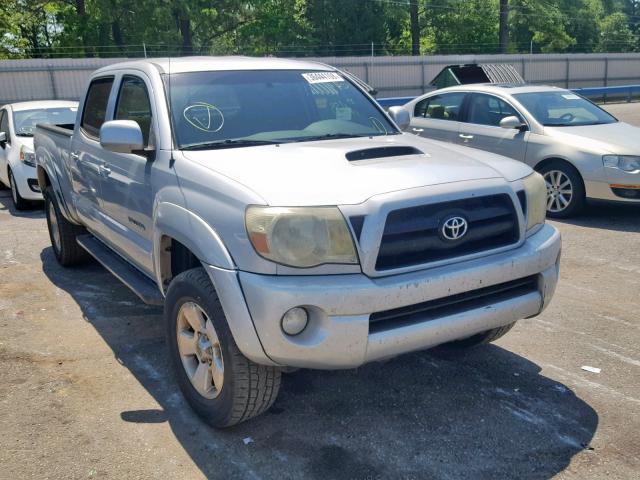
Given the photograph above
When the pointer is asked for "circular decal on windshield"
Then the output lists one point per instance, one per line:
(204, 116)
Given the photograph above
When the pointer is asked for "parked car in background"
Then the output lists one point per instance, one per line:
(17, 158)
(581, 150)
(285, 221)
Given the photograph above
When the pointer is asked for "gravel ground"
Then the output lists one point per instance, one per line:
(84, 390)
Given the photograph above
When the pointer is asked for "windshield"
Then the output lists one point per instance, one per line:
(25, 121)
(225, 109)
(563, 109)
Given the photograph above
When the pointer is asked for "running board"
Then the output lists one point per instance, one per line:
(141, 285)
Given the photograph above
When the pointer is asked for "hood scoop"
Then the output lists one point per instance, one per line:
(382, 152)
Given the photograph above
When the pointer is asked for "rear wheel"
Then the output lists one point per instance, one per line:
(482, 338)
(565, 189)
(63, 233)
(18, 202)
(219, 382)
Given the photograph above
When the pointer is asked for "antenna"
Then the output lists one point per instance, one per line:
(169, 108)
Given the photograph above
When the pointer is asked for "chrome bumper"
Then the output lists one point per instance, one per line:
(338, 334)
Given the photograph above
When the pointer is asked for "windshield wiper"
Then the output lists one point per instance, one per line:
(330, 136)
(229, 143)
(24, 134)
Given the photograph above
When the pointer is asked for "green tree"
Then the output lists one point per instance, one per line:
(615, 35)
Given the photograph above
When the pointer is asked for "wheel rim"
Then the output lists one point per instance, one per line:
(559, 190)
(53, 225)
(14, 190)
(200, 350)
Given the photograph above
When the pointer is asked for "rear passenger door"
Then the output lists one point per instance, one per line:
(85, 158)
(438, 116)
(127, 200)
(482, 130)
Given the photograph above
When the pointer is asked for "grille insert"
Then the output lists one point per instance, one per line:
(411, 235)
(443, 307)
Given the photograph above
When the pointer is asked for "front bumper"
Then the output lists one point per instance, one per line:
(338, 334)
(618, 185)
(26, 181)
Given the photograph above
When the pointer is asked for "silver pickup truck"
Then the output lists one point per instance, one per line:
(284, 221)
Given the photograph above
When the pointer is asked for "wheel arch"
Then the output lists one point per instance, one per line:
(182, 240)
(546, 161)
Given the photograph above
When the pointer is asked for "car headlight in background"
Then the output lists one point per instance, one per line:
(536, 190)
(627, 163)
(300, 236)
(27, 156)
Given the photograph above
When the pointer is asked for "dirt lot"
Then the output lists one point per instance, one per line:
(84, 390)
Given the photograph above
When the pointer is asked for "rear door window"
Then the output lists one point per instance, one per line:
(133, 104)
(95, 106)
(446, 106)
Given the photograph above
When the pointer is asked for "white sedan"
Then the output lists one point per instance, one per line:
(581, 150)
(17, 158)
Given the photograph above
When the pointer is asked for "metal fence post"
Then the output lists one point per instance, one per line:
(52, 79)
(606, 77)
(568, 67)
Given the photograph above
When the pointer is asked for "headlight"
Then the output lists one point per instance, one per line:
(622, 162)
(27, 156)
(300, 237)
(536, 190)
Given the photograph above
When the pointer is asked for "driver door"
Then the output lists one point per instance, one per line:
(125, 183)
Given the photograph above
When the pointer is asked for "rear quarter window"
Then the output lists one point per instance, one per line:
(95, 106)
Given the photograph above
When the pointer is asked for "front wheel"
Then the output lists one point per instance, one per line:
(565, 190)
(219, 382)
(18, 202)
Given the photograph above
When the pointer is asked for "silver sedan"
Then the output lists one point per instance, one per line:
(580, 149)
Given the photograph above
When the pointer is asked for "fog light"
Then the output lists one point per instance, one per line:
(295, 321)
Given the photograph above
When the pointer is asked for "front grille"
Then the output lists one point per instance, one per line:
(412, 236)
(447, 306)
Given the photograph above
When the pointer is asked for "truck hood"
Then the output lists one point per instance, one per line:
(619, 138)
(319, 173)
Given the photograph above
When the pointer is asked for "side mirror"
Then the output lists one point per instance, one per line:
(121, 136)
(511, 123)
(3, 138)
(400, 116)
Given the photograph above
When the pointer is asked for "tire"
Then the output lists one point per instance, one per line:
(63, 233)
(482, 338)
(233, 389)
(18, 202)
(557, 173)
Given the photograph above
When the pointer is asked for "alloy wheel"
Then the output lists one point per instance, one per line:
(200, 350)
(559, 190)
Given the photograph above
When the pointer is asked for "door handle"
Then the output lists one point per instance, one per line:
(418, 130)
(466, 137)
(104, 170)
(74, 156)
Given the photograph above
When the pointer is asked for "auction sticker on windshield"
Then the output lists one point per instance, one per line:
(322, 77)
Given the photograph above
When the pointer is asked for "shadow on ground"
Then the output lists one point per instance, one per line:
(623, 217)
(487, 413)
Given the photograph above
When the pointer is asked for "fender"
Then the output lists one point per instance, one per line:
(48, 166)
(193, 232)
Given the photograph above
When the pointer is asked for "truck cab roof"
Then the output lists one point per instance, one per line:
(206, 64)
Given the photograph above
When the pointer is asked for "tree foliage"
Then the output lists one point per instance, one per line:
(51, 28)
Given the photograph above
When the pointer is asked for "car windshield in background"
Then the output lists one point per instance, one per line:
(563, 109)
(25, 121)
(225, 109)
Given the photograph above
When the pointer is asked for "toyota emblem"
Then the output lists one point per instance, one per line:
(454, 228)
